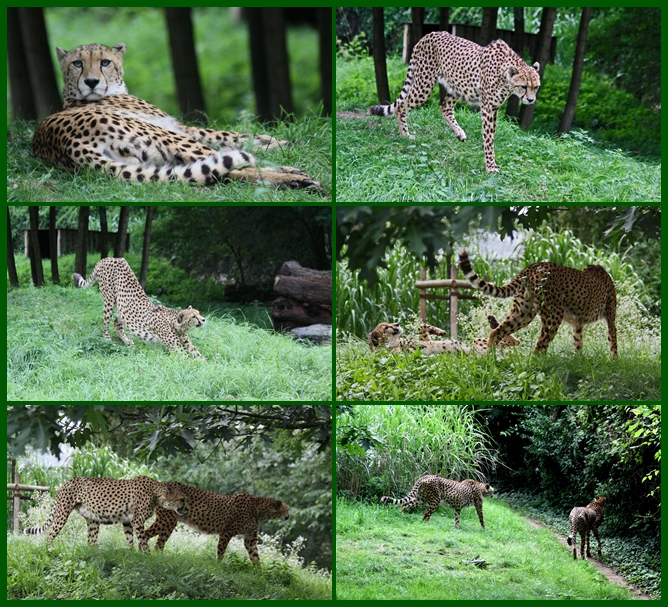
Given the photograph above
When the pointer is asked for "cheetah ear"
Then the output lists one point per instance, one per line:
(120, 48)
(189, 308)
(277, 504)
(373, 338)
(180, 316)
(512, 70)
(536, 66)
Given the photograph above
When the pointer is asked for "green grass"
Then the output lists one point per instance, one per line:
(375, 164)
(384, 554)
(55, 351)
(517, 375)
(31, 180)
(187, 569)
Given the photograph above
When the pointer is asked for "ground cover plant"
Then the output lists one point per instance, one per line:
(376, 164)
(382, 553)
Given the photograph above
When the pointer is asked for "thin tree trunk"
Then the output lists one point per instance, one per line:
(325, 37)
(518, 46)
(576, 77)
(122, 236)
(417, 19)
(488, 29)
(379, 59)
(38, 59)
(184, 60)
(34, 252)
(542, 55)
(145, 249)
(104, 232)
(81, 250)
(23, 104)
(11, 262)
(53, 245)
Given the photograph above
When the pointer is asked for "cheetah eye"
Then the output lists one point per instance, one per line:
(105, 62)
(77, 63)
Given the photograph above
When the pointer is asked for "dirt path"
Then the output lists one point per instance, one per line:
(606, 571)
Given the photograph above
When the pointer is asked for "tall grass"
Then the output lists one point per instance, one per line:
(409, 441)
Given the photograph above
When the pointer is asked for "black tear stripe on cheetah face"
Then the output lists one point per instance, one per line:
(556, 293)
(484, 76)
(221, 515)
(104, 128)
(585, 521)
(120, 288)
(435, 489)
(107, 501)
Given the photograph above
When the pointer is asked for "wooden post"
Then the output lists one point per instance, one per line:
(454, 304)
(423, 296)
(17, 500)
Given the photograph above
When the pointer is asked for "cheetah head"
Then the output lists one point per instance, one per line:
(91, 72)
(385, 334)
(173, 499)
(188, 319)
(524, 82)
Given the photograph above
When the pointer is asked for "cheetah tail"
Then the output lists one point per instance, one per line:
(478, 283)
(81, 282)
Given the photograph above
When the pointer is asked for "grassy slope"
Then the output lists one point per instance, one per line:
(382, 553)
(375, 164)
(188, 569)
(55, 351)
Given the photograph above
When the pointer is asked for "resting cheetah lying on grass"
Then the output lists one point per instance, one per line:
(388, 335)
(102, 127)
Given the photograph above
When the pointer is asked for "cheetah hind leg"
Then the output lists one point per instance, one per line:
(284, 176)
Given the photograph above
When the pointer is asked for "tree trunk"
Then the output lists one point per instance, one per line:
(576, 77)
(542, 55)
(104, 233)
(38, 59)
(81, 251)
(488, 29)
(417, 20)
(147, 243)
(379, 60)
(23, 104)
(53, 245)
(122, 236)
(269, 57)
(325, 37)
(184, 60)
(34, 252)
(518, 46)
(11, 262)
(444, 19)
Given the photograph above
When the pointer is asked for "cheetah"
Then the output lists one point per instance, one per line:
(583, 521)
(107, 501)
(151, 323)
(103, 127)
(388, 335)
(222, 515)
(434, 489)
(484, 76)
(556, 293)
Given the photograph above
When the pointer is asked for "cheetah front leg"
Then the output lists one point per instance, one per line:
(478, 508)
(489, 115)
(278, 177)
(250, 543)
(223, 541)
(521, 314)
(448, 112)
(551, 322)
(118, 325)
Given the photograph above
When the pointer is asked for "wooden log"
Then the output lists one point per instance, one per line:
(294, 268)
(288, 313)
(314, 290)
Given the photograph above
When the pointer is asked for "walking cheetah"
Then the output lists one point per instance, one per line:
(434, 489)
(103, 127)
(477, 75)
(119, 287)
(556, 293)
(583, 521)
(108, 501)
(222, 515)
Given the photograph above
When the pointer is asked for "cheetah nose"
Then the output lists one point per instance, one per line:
(91, 82)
